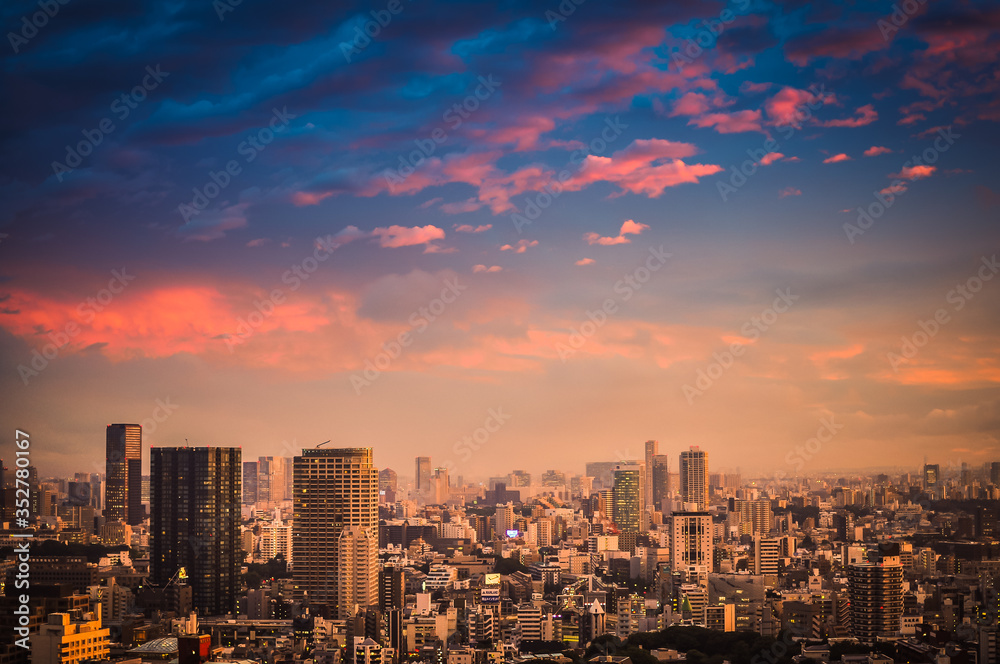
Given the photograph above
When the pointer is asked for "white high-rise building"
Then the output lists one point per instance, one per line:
(357, 570)
(503, 519)
(690, 540)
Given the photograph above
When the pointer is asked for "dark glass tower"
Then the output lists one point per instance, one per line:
(195, 523)
(123, 489)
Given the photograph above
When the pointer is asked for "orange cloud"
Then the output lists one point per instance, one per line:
(914, 172)
(836, 158)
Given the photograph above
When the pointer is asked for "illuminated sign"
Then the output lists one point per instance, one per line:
(511, 534)
(493, 579)
(490, 594)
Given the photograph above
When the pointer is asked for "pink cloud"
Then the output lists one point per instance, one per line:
(524, 135)
(730, 123)
(691, 103)
(520, 247)
(911, 119)
(770, 158)
(837, 43)
(466, 228)
(914, 172)
(469, 205)
(628, 228)
(393, 237)
(876, 150)
(789, 191)
(863, 116)
(788, 106)
(303, 198)
(747, 86)
(894, 189)
(836, 158)
(585, 261)
(259, 242)
(483, 268)
(644, 167)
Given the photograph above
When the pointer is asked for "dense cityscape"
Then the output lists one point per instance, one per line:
(519, 332)
(325, 558)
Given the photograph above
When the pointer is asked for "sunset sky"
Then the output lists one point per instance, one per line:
(541, 204)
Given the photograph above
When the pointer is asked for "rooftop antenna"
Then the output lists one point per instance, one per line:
(322, 444)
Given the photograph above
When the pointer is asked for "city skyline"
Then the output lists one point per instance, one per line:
(530, 332)
(740, 226)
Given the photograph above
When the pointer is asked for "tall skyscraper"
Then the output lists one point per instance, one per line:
(652, 449)
(932, 476)
(661, 480)
(422, 477)
(265, 473)
(195, 523)
(123, 489)
(628, 497)
(249, 482)
(876, 591)
(334, 489)
(289, 479)
(694, 477)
